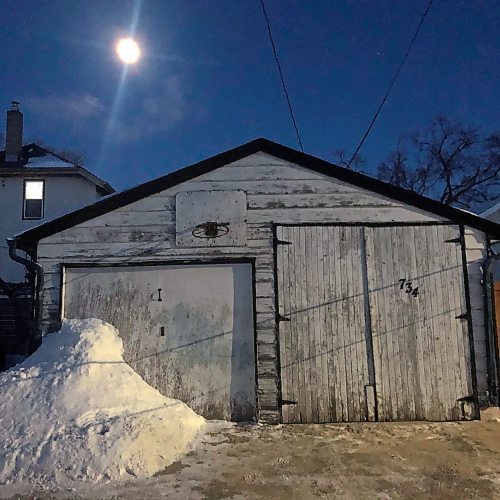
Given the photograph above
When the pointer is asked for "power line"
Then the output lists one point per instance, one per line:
(363, 139)
(280, 71)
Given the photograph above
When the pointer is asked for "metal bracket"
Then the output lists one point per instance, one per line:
(283, 242)
(288, 402)
(282, 318)
(454, 240)
(462, 316)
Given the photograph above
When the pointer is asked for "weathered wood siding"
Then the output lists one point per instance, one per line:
(277, 191)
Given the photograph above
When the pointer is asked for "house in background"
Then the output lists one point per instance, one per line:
(36, 185)
(266, 283)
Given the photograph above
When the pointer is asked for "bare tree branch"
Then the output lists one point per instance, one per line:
(449, 161)
(342, 159)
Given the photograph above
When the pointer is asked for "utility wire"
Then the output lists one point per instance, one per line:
(280, 71)
(408, 50)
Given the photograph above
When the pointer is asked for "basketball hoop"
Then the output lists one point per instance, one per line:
(211, 230)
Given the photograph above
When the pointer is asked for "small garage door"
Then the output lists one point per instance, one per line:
(187, 329)
(373, 323)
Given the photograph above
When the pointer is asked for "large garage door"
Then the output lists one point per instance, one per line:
(187, 329)
(373, 323)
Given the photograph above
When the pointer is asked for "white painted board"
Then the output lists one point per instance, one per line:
(193, 208)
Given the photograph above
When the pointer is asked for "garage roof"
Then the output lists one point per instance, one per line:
(28, 239)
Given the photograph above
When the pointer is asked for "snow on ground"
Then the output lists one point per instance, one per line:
(75, 411)
(385, 460)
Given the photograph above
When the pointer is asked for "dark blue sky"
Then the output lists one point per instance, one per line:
(208, 80)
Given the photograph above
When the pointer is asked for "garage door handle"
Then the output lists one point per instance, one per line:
(159, 295)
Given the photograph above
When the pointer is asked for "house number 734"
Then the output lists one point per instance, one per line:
(408, 287)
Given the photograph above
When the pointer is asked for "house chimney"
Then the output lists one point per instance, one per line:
(14, 134)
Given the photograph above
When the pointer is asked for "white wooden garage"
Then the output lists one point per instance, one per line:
(266, 283)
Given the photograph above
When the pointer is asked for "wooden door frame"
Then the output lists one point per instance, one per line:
(461, 228)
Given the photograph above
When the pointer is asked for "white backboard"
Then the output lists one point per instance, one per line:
(198, 207)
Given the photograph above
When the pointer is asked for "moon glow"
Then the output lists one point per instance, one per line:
(128, 50)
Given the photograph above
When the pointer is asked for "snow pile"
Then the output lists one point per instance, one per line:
(75, 411)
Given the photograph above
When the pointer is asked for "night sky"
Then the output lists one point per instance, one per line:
(207, 80)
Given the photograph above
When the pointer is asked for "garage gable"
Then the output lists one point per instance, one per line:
(299, 167)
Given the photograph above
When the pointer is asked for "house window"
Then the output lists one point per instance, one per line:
(34, 192)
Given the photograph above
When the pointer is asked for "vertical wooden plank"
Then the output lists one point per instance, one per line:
(358, 353)
(448, 340)
(333, 331)
(308, 331)
(438, 411)
(404, 248)
(427, 269)
(393, 321)
(328, 384)
(414, 349)
(323, 280)
(342, 324)
(461, 327)
(346, 319)
(282, 256)
(295, 321)
(301, 323)
(370, 390)
(313, 304)
(397, 316)
(385, 343)
(373, 304)
(360, 350)
(414, 393)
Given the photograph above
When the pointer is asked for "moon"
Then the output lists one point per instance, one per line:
(128, 50)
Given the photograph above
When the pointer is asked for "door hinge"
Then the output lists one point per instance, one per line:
(454, 240)
(282, 318)
(288, 402)
(283, 242)
(462, 316)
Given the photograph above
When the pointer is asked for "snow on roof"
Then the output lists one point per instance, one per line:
(491, 210)
(75, 411)
(48, 161)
